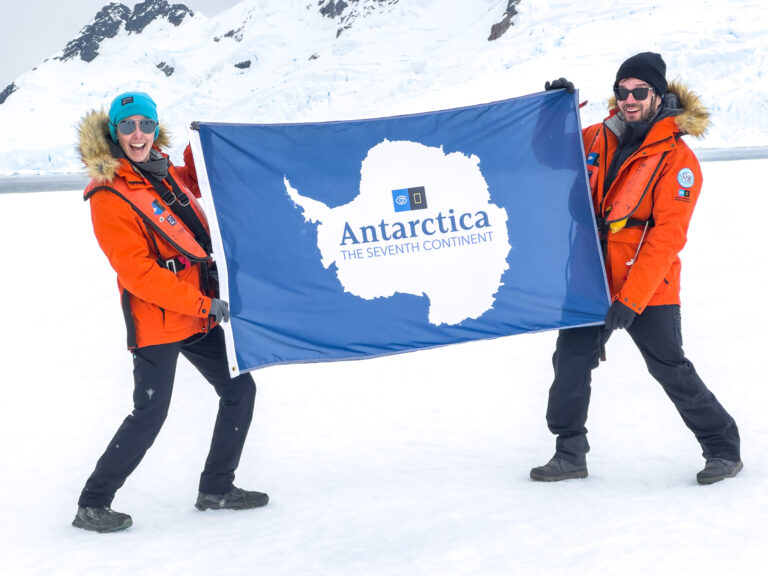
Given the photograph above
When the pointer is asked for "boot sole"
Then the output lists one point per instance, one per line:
(77, 523)
(259, 504)
(572, 476)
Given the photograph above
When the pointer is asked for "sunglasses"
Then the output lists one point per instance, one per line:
(126, 127)
(639, 93)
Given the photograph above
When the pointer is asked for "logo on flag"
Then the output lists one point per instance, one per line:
(409, 199)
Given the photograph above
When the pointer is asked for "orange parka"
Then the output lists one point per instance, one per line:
(645, 213)
(160, 305)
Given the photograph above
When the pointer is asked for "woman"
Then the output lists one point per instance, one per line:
(155, 236)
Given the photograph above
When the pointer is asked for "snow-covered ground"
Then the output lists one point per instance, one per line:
(414, 464)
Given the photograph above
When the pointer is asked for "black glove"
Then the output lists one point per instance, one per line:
(619, 316)
(558, 84)
(219, 310)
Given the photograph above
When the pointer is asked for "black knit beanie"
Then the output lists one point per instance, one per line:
(646, 66)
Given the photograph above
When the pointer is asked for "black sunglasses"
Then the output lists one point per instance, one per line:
(126, 127)
(639, 93)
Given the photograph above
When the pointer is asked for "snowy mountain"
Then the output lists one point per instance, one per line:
(314, 60)
(114, 18)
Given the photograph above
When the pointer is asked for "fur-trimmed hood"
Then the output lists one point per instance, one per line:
(95, 146)
(691, 116)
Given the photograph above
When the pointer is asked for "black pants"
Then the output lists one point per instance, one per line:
(154, 368)
(657, 334)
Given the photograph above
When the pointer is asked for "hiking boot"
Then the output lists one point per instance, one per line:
(558, 469)
(235, 499)
(101, 519)
(717, 469)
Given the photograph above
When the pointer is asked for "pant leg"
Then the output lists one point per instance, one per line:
(657, 333)
(576, 355)
(154, 368)
(236, 400)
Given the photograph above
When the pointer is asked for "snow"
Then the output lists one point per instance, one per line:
(415, 56)
(410, 464)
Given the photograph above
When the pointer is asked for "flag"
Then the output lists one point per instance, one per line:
(353, 239)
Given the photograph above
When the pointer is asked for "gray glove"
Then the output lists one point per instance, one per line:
(219, 310)
(558, 84)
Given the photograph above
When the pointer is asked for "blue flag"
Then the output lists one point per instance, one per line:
(343, 240)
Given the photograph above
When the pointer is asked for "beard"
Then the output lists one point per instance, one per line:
(652, 109)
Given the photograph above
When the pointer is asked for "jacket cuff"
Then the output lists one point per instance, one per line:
(205, 307)
(637, 305)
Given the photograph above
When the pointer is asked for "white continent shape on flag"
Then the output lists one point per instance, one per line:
(454, 251)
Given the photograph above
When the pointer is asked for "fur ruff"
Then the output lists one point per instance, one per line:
(94, 146)
(694, 119)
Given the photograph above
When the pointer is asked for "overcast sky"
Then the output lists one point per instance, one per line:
(33, 30)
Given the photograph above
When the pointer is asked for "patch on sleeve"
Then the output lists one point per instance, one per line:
(685, 178)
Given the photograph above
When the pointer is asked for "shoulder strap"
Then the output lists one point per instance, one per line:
(160, 220)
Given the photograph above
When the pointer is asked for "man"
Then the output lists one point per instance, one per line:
(644, 182)
(155, 236)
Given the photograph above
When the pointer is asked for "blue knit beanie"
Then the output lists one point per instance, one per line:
(128, 104)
